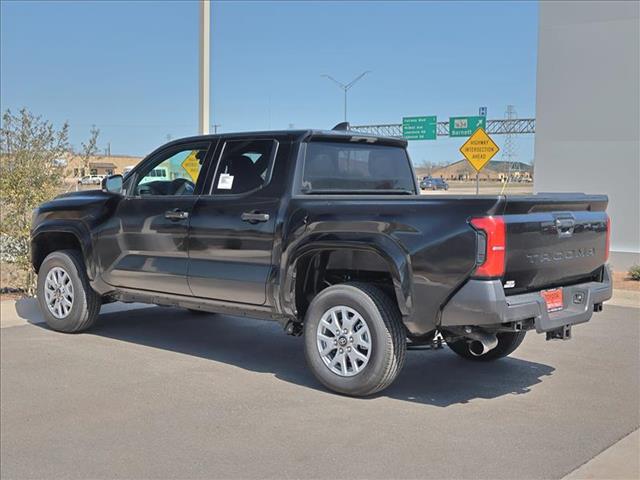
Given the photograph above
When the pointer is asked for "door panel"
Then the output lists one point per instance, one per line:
(145, 250)
(231, 233)
(230, 259)
(144, 244)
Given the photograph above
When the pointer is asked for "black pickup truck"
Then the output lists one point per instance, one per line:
(325, 232)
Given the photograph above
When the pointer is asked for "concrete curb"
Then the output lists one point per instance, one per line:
(625, 298)
(621, 461)
(14, 313)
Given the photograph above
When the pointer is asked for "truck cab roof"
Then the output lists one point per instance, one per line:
(304, 135)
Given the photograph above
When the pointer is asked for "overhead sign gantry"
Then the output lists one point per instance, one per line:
(518, 126)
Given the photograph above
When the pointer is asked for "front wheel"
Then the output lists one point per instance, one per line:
(67, 301)
(507, 344)
(355, 342)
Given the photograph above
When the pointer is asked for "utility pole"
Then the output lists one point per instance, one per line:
(205, 39)
(345, 87)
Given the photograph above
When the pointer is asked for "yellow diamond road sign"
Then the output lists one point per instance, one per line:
(192, 165)
(479, 149)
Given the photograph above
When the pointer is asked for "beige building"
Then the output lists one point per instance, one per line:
(99, 165)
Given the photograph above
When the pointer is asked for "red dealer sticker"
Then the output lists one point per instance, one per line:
(553, 298)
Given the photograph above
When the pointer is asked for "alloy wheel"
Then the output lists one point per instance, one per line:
(58, 292)
(344, 341)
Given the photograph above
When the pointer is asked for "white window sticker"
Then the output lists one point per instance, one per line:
(225, 182)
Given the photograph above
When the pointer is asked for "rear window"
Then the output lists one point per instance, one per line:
(332, 167)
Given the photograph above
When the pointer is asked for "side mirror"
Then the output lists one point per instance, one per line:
(112, 184)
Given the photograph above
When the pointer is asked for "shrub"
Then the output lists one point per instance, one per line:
(634, 272)
(30, 173)
(29, 176)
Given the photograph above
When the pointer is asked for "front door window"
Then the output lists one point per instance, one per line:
(174, 174)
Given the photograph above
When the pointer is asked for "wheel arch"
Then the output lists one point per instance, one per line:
(380, 259)
(50, 238)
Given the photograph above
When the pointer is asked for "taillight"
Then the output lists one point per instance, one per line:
(495, 245)
(607, 245)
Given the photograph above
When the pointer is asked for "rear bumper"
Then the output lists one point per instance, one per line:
(483, 303)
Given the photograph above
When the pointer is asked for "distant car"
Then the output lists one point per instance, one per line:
(90, 180)
(429, 183)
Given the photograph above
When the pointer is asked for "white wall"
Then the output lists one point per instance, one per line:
(588, 110)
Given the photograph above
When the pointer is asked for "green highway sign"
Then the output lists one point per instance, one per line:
(419, 128)
(465, 126)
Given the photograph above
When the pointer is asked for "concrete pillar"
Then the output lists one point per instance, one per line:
(588, 111)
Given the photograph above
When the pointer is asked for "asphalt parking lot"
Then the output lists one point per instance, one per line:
(159, 393)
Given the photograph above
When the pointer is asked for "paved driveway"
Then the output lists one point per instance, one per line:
(159, 393)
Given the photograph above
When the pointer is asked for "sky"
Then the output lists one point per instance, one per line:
(131, 68)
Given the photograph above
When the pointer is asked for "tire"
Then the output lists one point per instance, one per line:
(85, 302)
(507, 344)
(386, 337)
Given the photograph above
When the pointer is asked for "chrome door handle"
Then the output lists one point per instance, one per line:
(176, 214)
(254, 217)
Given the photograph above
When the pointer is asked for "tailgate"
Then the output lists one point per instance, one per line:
(554, 240)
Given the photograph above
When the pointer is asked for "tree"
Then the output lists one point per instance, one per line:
(30, 173)
(90, 148)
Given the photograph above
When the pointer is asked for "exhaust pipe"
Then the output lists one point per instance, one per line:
(481, 343)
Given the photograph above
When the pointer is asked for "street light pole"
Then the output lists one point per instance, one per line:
(345, 87)
(205, 38)
(345, 104)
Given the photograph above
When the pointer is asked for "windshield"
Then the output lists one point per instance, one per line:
(354, 167)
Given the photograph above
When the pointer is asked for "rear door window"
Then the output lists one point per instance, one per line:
(339, 167)
(244, 166)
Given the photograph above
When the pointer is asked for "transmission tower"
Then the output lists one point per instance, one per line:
(509, 146)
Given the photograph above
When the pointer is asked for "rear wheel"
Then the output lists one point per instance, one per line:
(355, 342)
(507, 344)
(67, 301)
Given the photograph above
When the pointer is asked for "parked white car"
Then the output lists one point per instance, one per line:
(155, 175)
(91, 180)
